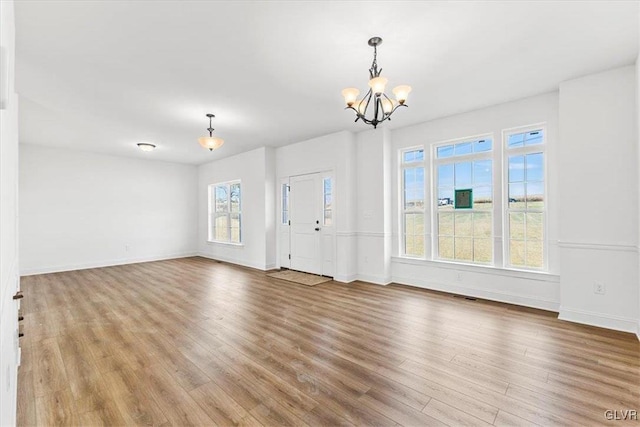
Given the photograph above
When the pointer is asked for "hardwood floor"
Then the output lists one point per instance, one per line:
(196, 342)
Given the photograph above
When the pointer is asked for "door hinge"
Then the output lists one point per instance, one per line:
(289, 222)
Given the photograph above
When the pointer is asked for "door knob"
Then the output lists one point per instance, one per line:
(18, 295)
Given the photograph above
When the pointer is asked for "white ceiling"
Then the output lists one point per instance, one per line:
(104, 75)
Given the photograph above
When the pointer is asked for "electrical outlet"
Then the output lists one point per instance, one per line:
(126, 248)
(599, 288)
(459, 277)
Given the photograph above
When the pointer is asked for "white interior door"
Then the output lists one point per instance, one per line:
(305, 198)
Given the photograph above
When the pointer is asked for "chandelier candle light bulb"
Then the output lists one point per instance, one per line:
(375, 100)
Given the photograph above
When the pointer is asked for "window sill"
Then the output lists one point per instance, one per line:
(481, 269)
(217, 242)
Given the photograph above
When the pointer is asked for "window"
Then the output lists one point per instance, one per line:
(285, 204)
(225, 212)
(327, 201)
(464, 234)
(525, 198)
(413, 186)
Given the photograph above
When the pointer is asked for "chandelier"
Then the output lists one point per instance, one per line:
(211, 142)
(375, 100)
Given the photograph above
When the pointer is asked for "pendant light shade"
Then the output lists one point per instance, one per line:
(210, 142)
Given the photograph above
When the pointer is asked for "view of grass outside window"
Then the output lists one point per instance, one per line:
(465, 234)
(413, 188)
(526, 207)
(225, 212)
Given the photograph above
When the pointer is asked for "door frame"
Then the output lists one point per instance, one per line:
(283, 243)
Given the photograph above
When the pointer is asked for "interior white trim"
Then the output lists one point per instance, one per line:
(591, 318)
(376, 280)
(100, 264)
(481, 269)
(621, 247)
(523, 300)
(263, 267)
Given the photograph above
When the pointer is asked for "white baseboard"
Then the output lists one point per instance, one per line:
(345, 278)
(602, 320)
(523, 300)
(638, 330)
(239, 262)
(376, 280)
(100, 264)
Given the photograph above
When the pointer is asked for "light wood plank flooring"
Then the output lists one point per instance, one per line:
(196, 342)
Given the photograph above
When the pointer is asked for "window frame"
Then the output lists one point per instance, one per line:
(515, 151)
(403, 212)
(452, 160)
(212, 213)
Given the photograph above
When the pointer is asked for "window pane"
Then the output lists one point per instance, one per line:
(463, 148)
(516, 140)
(482, 145)
(463, 225)
(534, 226)
(285, 204)
(327, 217)
(482, 172)
(235, 228)
(464, 248)
(221, 227)
(535, 195)
(482, 198)
(408, 244)
(516, 196)
(413, 156)
(535, 257)
(445, 176)
(482, 250)
(516, 169)
(418, 245)
(463, 175)
(516, 225)
(516, 252)
(445, 224)
(414, 223)
(445, 198)
(482, 224)
(445, 247)
(409, 178)
(445, 151)
(535, 167)
(235, 197)
(222, 202)
(532, 138)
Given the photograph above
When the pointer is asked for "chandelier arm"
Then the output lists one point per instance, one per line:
(366, 107)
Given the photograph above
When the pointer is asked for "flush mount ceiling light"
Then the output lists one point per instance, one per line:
(146, 146)
(375, 100)
(211, 142)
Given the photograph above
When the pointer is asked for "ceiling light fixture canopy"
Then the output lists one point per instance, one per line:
(146, 146)
(210, 142)
(381, 105)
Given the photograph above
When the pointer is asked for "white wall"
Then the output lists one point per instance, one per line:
(9, 279)
(374, 207)
(335, 152)
(531, 289)
(257, 249)
(599, 196)
(80, 210)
